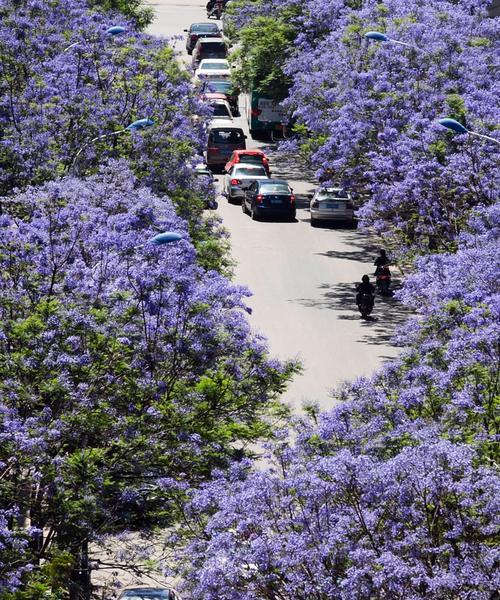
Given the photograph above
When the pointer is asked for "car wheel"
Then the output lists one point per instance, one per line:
(314, 223)
(253, 213)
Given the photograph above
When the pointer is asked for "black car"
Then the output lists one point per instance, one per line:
(223, 87)
(198, 30)
(269, 197)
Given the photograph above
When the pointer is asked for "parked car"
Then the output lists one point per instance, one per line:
(149, 593)
(221, 109)
(223, 86)
(208, 47)
(203, 172)
(254, 157)
(240, 176)
(269, 197)
(213, 68)
(223, 138)
(197, 30)
(331, 204)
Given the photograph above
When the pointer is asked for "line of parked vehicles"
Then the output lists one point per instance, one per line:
(247, 177)
(246, 182)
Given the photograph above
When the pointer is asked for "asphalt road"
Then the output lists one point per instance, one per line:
(303, 279)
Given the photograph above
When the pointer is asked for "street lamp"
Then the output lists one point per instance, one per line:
(378, 36)
(167, 237)
(113, 31)
(135, 126)
(459, 128)
(116, 30)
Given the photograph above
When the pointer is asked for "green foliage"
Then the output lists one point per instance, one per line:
(456, 105)
(264, 46)
(132, 9)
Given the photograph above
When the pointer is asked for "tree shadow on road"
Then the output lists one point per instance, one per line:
(284, 167)
(388, 315)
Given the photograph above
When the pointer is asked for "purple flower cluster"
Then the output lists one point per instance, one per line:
(395, 492)
(366, 113)
(64, 82)
(123, 365)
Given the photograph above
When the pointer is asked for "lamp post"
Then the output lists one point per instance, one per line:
(167, 237)
(112, 31)
(378, 36)
(457, 127)
(135, 126)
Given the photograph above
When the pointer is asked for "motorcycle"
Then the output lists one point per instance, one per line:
(383, 280)
(365, 304)
(215, 10)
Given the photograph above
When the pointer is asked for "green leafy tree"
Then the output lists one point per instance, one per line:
(132, 9)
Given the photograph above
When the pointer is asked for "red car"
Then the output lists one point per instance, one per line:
(255, 157)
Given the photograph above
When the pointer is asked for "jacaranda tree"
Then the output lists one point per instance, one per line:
(128, 372)
(393, 493)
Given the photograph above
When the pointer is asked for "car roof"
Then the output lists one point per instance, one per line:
(331, 190)
(250, 152)
(271, 180)
(247, 166)
(224, 124)
(210, 40)
(214, 96)
(219, 61)
(145, 590)
(211, 25)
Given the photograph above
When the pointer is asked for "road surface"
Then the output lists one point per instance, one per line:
(302, 278)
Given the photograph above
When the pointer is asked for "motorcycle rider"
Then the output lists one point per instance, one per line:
(211, 5)
(383, 273)
(382, 260)
(365, 287)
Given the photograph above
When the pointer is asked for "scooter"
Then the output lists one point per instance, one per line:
(365, 304)
(215, 10)
(383, 280)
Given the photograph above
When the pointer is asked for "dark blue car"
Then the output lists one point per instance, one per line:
(269, 198)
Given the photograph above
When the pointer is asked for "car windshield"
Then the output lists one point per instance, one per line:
(275, 188)
(208, 27)
(219, 86)
(255, 171)
(220, 110)
(213, 47)
(226, 136)
(213, 66)
(251, 158)
(333, 193)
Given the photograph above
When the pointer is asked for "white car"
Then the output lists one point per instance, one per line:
(239, 176)
(213, 68)
(221, 109)
(331, 204)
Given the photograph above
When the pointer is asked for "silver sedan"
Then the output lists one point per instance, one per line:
(331, 204)
(240, 176)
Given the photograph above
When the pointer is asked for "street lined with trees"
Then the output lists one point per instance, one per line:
(132, 386)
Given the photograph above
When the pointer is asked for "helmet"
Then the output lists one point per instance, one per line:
(365, 279)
